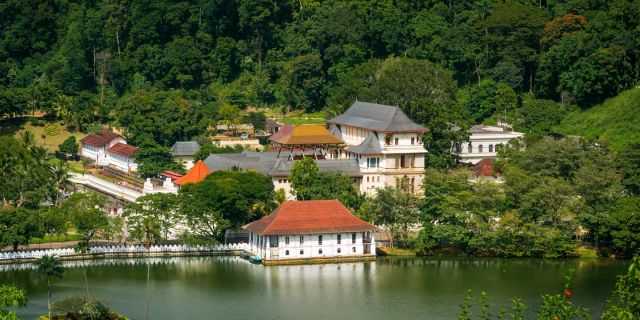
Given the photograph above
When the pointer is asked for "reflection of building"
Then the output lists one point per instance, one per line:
(484, 143)
(109, 149)
(385, 142)
(308, 230)
(184, 152)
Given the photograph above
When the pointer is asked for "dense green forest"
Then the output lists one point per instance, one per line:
(135, 64)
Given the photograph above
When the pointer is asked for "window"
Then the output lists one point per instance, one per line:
(469, 148)
(286, 252)
(490, 148)
(480, 148)
(301, 240)
(286, 240)
(320, 240)
(339, 250)
(458, 148)
(353, 238)
(387, 139)
(353, 249)
(396, 140)
(273, 241)
(378, 178)
(339, 238)
(373, 162)
(319, 251)
(301, 252)
(413, 140)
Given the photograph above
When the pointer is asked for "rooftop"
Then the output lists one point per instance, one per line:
(308, 134)
(185, 148)
(377, 117)
(198, 173)
(305, 217)
(270, 164)
(123, 149)
(100, 139)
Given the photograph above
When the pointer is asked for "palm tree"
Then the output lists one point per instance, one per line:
(51, 267)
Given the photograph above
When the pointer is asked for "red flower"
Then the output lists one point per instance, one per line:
(568, 293)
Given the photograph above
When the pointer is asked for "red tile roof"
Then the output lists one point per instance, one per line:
(484, 168)
(195, 175)
(123, 149)
(100, 139)
(313, 216)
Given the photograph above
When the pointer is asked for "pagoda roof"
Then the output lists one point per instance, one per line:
(370, 145)
(198, 173)
(185, 148)
(305, 217)
(377, 117)
(307, 134)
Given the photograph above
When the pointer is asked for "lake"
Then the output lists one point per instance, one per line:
(388, 288)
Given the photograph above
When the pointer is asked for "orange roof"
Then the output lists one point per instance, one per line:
(305, 134)
(313, 216)
(195, 175)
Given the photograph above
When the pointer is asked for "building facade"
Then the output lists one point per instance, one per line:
(184, 152)
(484, 143)
(94, 146)
(386, 143)
(310, 230)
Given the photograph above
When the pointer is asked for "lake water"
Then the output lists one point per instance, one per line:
(390, 288)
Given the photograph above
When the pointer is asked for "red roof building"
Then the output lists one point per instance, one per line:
(198, 173)
(123, 149)
(307, 217)
(316, 230)
(100, 139)
(485, 168)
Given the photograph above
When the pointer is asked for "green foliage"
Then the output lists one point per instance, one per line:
(395, 209)
(152, 217)
(83, 308)
(210, 148)
(223, 201)
(308, 183)
(152, 160)
(19, 226)
(69, 146)
(84, 211)
(625, 303)
(10, 297)
(613, 122)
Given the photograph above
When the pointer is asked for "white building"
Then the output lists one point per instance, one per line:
(484, 143)
(95, 146)
(386, 143)
(184, 152)
(109, 149)
(316, 230)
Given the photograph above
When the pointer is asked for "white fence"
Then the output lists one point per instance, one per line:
(122, 250)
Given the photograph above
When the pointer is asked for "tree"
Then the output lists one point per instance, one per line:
(87, 217)
(152, 217)
(210, 148)
(153, 160)
(397, 210)
(19, 225)
(308, 183)
(50, 267)
(223, 201)
(629, 163)
(11, 297)
(304, 178)
(625, 304)
(69, 146)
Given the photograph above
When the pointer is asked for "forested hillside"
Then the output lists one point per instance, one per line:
(137, 64)
(616, 121)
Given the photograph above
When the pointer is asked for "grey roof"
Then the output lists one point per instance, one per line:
(377, 117)
(370, 145)
(185, 148)
(268, 163)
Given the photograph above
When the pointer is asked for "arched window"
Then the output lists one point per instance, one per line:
(480, 148)
(469, 148)
(490, 148)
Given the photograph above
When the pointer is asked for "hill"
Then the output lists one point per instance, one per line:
(616, 121)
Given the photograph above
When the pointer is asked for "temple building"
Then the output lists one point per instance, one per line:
(315, 230)
(305, 140)
(109, 149)
(484, 143)
(386, 143)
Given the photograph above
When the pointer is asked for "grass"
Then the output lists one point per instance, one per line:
(296, 117)
(48, 135)
(616, 121)
(56, 238)
(587, 252)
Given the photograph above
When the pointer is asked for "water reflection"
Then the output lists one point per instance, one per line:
(202, 287)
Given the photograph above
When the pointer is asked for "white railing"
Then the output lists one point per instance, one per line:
(121, 250)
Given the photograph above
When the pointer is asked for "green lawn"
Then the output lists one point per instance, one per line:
(297, 117)
(48, 135)
(616, 121)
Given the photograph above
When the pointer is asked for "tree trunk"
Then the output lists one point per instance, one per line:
(49, 297)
